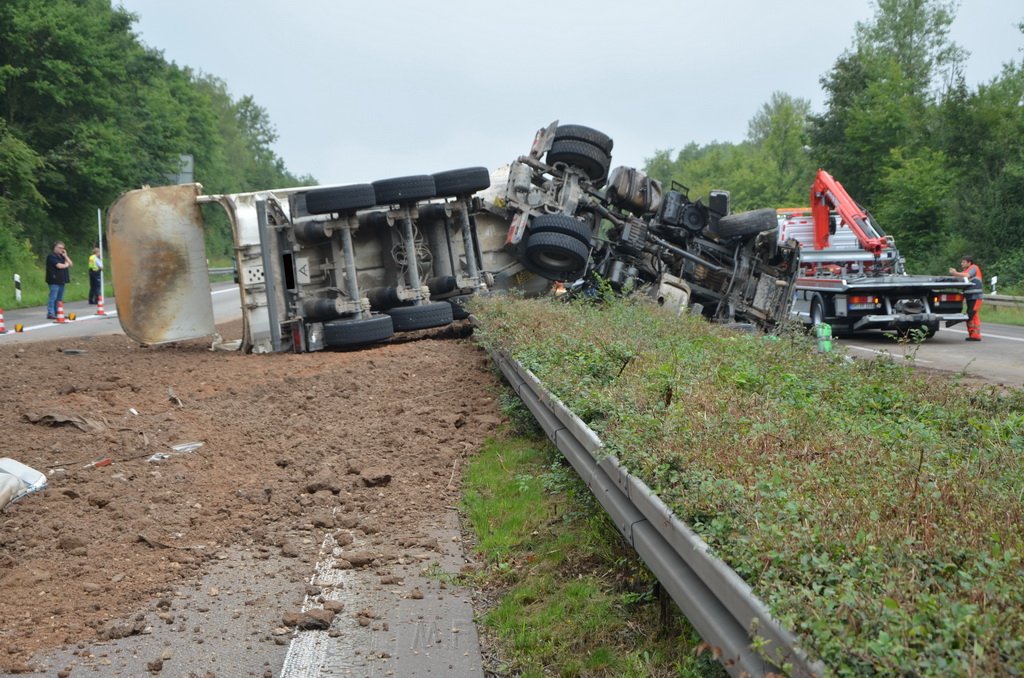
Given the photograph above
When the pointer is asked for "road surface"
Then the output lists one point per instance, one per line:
(226, 307)
(998, 357)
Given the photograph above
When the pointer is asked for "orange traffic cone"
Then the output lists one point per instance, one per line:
(99, 306)
(3, 330)
(60, 312)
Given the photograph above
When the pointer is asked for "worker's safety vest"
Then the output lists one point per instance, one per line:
(977, 288)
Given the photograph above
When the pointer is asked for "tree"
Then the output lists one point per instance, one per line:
(87, 112)
(778, 133)
(881, 123)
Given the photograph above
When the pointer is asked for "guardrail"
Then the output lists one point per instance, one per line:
(1003, 300)
(716, 600)
(221, 271)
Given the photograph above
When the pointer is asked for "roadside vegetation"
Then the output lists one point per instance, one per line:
(876, 510)
(568, 595)
(87, 112)
(1002, 315)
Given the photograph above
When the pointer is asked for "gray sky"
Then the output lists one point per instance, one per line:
(360, 91)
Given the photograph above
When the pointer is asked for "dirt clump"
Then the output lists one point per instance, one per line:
(293, 447)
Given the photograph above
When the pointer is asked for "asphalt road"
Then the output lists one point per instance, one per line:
(226, 307)
(998, 357)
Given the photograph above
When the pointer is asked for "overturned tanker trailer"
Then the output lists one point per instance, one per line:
(345, 266)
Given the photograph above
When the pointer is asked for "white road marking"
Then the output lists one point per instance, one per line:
(986, 335)
(107, 314)
(51, 323)
(877, 352)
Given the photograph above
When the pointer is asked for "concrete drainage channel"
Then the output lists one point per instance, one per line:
(719, 604)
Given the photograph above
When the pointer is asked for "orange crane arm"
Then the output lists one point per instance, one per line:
(827, 194)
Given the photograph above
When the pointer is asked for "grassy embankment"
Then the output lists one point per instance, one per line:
(875, 510)
(571, 598)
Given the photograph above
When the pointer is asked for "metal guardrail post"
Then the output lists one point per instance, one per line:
(716, 600)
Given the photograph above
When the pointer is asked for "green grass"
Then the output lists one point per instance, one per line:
(1004, 315)
(570, 597)
(877, 511)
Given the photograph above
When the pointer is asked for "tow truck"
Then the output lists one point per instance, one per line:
(853, 277)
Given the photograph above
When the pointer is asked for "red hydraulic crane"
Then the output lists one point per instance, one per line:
(827, 194)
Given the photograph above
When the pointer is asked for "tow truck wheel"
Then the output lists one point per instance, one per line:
(404, 190)
(460, 182)
(340, 199)
(588, 134)
(556, 256)
(430, 314)
(561, 223)
(590, 158)
(817, 312)
(357, 332)
(744, 223)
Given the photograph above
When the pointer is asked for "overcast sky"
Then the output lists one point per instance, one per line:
(367, 90)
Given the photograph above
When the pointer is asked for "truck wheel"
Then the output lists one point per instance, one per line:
(340, 199)
(581, 133)
(556, 256)
(357, 332)
(430, 314)
(561, 223)
(591, 159)
(460, 182)
(404, 190)
(744, 223)
(817, 312)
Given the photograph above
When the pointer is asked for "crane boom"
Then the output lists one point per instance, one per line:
(827, 194)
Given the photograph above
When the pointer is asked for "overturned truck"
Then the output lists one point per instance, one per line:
(346, 266)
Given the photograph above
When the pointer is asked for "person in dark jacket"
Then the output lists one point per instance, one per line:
(972, 272)
(58, 274)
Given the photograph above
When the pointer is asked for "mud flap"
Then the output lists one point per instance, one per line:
(158, 263)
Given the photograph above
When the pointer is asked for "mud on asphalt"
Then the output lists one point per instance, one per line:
(217, 544)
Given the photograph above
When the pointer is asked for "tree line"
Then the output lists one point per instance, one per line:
(87, 112)
(940, 165)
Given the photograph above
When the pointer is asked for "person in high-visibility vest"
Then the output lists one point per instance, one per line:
(95, 276)
(972, 272)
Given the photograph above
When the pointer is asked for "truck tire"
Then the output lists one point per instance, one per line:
(591, 159)
(587, 134)
(744, 224)
(404, 190)
(430, 314)
(817, 312)
(461, 182)
(340, 199)
(562, 223)
(357, 332)
(556, 256)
